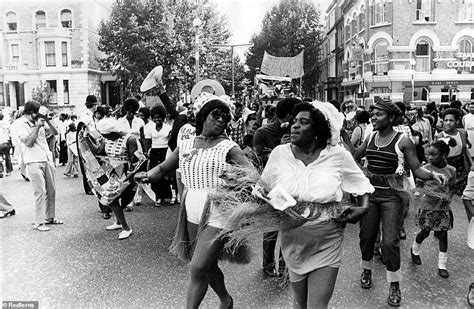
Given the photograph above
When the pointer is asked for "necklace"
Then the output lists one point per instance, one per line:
(210, 137)
(381, 144)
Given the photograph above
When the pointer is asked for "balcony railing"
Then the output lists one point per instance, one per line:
(13, 67)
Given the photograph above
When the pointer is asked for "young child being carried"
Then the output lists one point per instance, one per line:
(434, 212)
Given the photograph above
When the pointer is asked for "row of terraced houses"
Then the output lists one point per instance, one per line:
(403, 50)
(53, 42)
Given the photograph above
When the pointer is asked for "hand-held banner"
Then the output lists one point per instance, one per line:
(283, 66)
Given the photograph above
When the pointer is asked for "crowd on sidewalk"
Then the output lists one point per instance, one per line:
(307, 154)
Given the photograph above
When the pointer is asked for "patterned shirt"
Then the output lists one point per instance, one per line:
(237, 131)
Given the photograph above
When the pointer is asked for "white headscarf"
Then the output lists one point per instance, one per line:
(109, 125)
(333, 117)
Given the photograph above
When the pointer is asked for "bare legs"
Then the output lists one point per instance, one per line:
(204, 270)
(469, 209)
(119, 204)
(119, 215)
(315, 291)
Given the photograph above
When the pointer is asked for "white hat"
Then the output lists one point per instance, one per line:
(217, 88)
(205, 97)
(108, 125)
(153, 79)
(247, 112)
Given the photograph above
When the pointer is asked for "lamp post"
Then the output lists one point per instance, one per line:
(197, 23)
(413, 63)
(232, 56)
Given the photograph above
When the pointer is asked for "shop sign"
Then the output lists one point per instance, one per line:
(449, 82)
(379, 90)
(465, 61)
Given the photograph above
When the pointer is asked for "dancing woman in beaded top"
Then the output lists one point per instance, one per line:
(202, 159)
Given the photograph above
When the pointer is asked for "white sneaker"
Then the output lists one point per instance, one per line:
(114, 226)
(125, 234)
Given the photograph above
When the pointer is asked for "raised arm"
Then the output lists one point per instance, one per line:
(29, 139)
(359, 152)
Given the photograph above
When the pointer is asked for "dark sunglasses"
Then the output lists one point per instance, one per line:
(217, 113)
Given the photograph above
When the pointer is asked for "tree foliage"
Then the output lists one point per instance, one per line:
(143, 34)
(42, 94)
(288, 28)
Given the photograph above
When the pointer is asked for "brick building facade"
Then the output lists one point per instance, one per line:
(407, 50)
(53, 42)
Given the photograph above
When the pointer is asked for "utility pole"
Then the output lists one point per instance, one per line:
(232, 57)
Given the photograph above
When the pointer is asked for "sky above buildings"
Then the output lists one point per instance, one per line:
(245, 17)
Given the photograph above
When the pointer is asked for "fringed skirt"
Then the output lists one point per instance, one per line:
(183, 246)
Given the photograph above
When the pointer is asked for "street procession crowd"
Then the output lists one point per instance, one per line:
(276, 165)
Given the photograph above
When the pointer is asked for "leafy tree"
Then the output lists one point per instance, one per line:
(42, 94)
(287, 29)
(142, 34)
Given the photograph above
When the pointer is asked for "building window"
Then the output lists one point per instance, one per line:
(466, 13)
(381, 58)
(423, 57)
(40, 18)
(15, 53)
(2, 98)
(354, 26)
(66, 19)
(53, 86)
(66, 91)
(424, 10)
(11, 21)
(362, 18)
(50, 51)
(465, 46)
(379, 12)
(348, 31)
(64, 53)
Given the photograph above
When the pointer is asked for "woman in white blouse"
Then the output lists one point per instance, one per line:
(157, 136)
(314, 169)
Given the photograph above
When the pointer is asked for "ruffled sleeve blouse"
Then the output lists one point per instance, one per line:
(321, 181)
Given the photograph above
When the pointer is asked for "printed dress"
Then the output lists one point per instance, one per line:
(435, 213)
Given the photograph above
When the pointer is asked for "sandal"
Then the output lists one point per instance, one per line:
(54, 221)
(41, 227)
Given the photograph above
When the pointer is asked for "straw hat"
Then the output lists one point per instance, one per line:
(206, 85)
(153, 79)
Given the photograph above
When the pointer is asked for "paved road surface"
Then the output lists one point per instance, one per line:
(80, 265)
